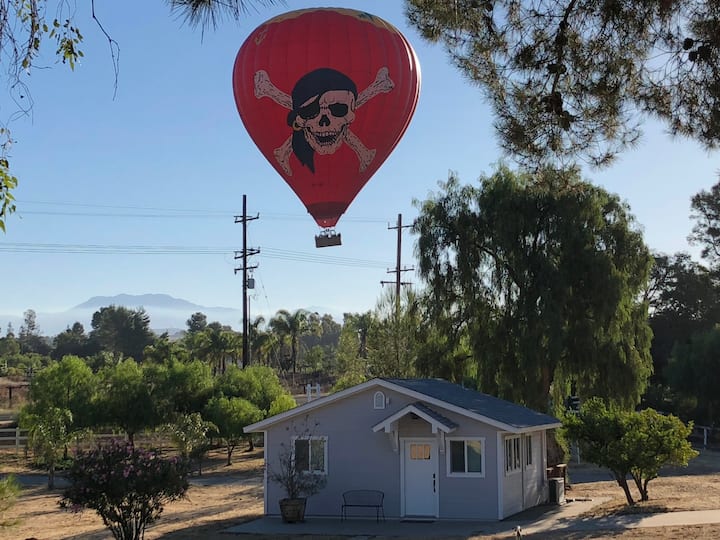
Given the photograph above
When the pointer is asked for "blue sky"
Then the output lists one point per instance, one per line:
(138, 194)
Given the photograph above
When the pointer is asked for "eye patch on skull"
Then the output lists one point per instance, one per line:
(312, 110)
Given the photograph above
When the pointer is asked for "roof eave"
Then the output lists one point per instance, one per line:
(263, 425)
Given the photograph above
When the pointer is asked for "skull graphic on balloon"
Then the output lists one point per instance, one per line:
(326, 94)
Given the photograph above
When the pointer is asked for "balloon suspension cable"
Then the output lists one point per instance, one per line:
(327, 237)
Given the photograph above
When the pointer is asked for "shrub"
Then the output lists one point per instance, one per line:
(126, 486)
(631, 444)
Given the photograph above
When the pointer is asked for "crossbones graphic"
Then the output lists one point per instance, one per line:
(322, 107)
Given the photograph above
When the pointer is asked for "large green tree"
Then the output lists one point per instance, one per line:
(180, 387)
(259, 385)
(573, 78)
(121, 331)
(392, 344)
(683, 301)
(126, 400)
(694, 371)
(230, 416)
(68, 384)
(73, 341)
(543, 273)
(705, 210)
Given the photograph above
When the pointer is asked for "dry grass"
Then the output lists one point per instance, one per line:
(209, 510)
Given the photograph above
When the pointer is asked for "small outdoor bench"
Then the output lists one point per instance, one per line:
(364, 498)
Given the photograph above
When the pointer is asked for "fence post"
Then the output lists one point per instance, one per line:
(17, 439)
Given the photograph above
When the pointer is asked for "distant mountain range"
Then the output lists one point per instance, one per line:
(163, 301)
(167, 314)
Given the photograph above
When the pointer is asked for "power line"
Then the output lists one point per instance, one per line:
(150, 212)
(108, 249)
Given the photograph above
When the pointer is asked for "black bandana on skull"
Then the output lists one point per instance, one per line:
(323, 105)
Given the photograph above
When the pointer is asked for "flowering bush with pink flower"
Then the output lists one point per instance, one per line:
(126, 486)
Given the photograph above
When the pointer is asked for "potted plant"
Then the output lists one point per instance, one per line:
(298, 484)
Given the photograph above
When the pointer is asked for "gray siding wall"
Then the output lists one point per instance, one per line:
(535, 493)
(512, 488)
(358, 458)
(525, 488)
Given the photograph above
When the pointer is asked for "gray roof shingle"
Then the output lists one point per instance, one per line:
(482, 404)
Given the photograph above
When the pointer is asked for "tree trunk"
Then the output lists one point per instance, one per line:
(51, 476)
(622, 482)
(641, 486)
(230, 448)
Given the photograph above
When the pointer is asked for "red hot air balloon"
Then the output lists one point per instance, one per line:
(326, 94)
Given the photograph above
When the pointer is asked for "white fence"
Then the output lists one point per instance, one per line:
(13, 437)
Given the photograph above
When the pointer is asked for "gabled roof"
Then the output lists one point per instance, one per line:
(436, 420)
(496, 412)
(476, 402)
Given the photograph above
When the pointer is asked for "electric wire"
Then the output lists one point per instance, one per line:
(108, 249)
(150, 212)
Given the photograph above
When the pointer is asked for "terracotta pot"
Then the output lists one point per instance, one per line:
(292, 510)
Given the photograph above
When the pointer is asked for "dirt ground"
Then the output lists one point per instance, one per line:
(209, 510)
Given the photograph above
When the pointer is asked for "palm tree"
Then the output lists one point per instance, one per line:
(215, 346)
(291, 326)
(257, 337)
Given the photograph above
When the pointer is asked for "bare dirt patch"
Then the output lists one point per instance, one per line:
(227, 496)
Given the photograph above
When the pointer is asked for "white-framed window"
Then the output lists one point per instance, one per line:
(310, 454)
(529, 452)
(513, 461)
(465, 457)
(379, 400)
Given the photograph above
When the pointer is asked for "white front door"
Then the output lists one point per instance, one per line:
(420, 477)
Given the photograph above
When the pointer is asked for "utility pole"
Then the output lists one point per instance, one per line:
(398, 283)
(244, 254)
(398, 268)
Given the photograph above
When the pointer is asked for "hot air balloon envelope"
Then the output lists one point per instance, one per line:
(326, 94)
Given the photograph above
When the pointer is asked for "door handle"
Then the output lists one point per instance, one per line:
(433, 482)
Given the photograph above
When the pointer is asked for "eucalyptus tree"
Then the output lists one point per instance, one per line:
(392, 340)
(543, 273)
(29, 336)
(570, 79)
